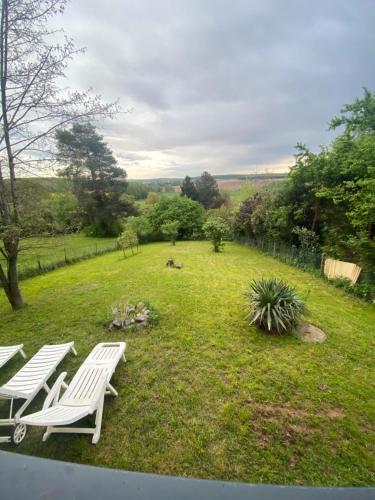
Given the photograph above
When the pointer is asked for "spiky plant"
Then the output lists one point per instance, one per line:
(275, 306)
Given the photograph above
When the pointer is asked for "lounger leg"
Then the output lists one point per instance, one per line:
(23, 353)
(123, 358)
(47, 434)
(98, 422)
(111, 390)
(74, 351)
(46, 388)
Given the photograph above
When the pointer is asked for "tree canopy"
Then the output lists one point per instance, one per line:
(99, 184)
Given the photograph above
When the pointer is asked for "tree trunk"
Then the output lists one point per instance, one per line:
(10, 285)
(9, 280)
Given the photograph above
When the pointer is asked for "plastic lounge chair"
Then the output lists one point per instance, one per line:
(27, 382)
(7, 353)
(83, 396)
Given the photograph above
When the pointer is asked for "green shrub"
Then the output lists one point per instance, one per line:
(275, 306)
(128, 239)
(363, 290)
(216, 229)
(170, 230)
(188, 213)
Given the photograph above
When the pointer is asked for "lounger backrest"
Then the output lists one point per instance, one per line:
(37, 371)
(86, 386)
(106, 353)
(6, 353)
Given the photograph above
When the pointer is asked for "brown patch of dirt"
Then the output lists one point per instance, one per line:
(334, 413)
(288, 424)
(270, 411)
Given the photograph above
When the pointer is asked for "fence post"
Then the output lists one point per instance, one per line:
(66, 260)
(96, 249)
(322, 261)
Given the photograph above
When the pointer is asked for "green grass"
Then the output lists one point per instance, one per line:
(204, 394)
(50, 250)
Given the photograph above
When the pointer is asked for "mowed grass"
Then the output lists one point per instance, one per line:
(50, 250)
(204, 394)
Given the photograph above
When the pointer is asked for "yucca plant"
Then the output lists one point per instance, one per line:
(275, 306)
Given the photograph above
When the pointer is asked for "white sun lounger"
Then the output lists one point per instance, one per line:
(27, 382)
(84, 395)
(7, 353)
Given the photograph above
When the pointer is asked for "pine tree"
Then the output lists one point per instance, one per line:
(207, 190)
(99, 184)
(188, 189)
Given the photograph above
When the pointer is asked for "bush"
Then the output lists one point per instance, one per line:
(275, 306)
(105, 229)
(188, 213)
(170, 231)
(216, 229)
(363, 290)
(142, 226)
(128, 239)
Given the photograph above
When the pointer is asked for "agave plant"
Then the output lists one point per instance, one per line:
(274, 305)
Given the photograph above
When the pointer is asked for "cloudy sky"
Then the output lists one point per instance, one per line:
(228, 86)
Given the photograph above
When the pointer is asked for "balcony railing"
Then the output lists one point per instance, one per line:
(30, 478)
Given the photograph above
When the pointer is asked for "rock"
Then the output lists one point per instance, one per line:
(140, 318)
(116, 323)
(170, 263)
(178, 266)
(311, 334)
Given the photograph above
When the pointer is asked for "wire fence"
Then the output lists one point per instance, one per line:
(287, 253)
(311, 261)
(40, 261)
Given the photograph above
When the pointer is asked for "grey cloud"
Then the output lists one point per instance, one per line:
(246, 79)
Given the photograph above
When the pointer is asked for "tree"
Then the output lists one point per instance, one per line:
(188, 213)
(128, 239)
(188, 189)
(216, 229)
(60, 213)
(243, 222)
(152, 198)
(99, 184)
(270, 216)
(207, 190)
(33, 106)
(358, 117)
(170, 230)
(143, 227)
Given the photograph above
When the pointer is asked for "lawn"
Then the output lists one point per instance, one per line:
(204, 394)
(35, 252)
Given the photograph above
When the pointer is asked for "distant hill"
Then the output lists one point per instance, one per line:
(238, 177)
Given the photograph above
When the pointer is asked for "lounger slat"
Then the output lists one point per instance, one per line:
(7, 353)
(34, 374)
(57, 415)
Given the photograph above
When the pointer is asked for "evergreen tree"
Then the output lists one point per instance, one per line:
(188, 188)
(98, 182)
(207, 190)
